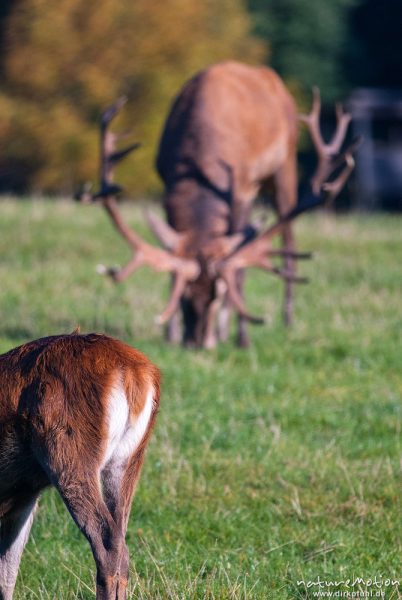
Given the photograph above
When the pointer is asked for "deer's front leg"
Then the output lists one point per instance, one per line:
(290, 267)
(243, 339)
(173, 328)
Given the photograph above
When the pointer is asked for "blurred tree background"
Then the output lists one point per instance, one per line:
(308, 41)
(62, 63)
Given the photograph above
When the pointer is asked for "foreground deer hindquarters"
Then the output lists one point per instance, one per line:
(76, 412)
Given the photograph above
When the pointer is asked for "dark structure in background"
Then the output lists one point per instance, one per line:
(362, 44)
(373, 66)
(377, 117)
(376, 182)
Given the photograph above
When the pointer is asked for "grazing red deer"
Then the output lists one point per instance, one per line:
(76, 412)
(232, 130)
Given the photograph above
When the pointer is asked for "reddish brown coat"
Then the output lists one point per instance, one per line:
(60, 400)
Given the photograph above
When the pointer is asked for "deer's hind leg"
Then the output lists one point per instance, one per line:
(15, 527)
(119, 482)
(120, 476)
(76, 476)
(82, 496)
(243, 338)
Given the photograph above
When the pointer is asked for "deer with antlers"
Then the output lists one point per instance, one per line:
(231, 132)
(76, 412)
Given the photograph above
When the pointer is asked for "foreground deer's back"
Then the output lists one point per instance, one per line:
(87, 395)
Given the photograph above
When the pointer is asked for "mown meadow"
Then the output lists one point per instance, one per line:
(268, 467)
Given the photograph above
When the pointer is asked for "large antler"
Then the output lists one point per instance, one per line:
(329, 157)
(161, 260)
(259, 253)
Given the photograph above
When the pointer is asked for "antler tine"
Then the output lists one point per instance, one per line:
(116, 157)
(312, 120)
(342, 123)
(173, 304)
(314, 114)
(185, 270)
(110, 112)
(228, 275)
(334, 187)
(325, 151)
(258, 253)
(133, 240)
(109, 155)
(349, 150)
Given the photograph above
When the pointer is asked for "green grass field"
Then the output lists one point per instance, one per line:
(267, 467)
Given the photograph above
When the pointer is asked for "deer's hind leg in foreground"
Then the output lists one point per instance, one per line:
(119, 479)
(15, 527)
(99, 499)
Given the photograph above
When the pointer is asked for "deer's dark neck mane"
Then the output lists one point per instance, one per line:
(196, 206)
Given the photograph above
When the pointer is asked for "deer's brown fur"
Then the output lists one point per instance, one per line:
(56, 400)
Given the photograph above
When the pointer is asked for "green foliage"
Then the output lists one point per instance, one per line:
(66, 61)
(308, 41)
(267, 466)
